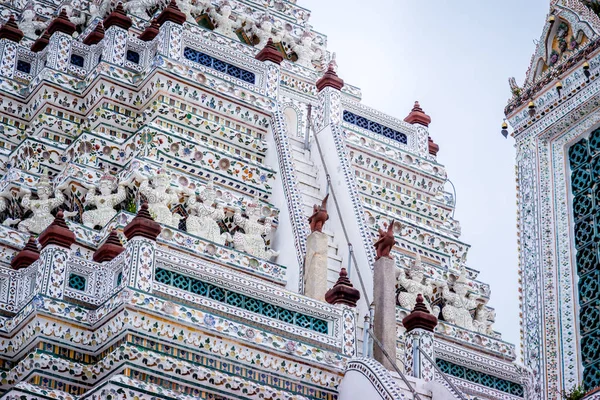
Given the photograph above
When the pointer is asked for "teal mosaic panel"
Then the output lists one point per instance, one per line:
(239, 300)
(77, 282)
(584, 160)
(480, 378)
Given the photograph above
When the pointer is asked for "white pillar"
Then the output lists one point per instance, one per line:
(315, 266)
(384, 324)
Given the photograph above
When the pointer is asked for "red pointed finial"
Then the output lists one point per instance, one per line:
(27, 256)
(142, 225)
(61, 24)
(111, 248)
(10, 30)
(418, 116)
(270, 53)
(343, 292)
(330, 78)
(41, 42)
(118, 17)
(95, 36)
(171, 13)
(433, 147)
(150, 32)
(58, 233)
(420, 317)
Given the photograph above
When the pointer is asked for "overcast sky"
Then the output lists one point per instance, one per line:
(455, 58)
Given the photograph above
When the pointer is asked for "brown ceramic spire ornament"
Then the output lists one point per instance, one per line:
(433, 147)
(270, 53)
(95, 36)
(330, 77)
(150, 32)
(420, 317)
(171, 13)
(58, 233)
(385, 242)
(27, 256)
(319, 216)
(41, 42)
(142, 225)
(118, 17)
(10, 30)
(343, 292)
(418, 116)
(111, 248)
(61, 24)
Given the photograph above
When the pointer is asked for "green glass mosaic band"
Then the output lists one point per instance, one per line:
(221, 295)
(480, 378)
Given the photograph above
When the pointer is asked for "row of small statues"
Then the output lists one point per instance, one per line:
(202, 221)
(263, 27)
(458, 303)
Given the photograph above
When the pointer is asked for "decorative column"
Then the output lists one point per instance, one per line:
(426, 145)
(315, 263)
(273, 58)
(329, 87)
(116, 25)
(419, 325)
(141, 234)
(59, 45)
(10, 36)
(344, 294)
(56, 243)
(170, 41)
(384, 292)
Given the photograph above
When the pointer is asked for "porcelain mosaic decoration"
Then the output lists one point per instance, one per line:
(555, 117)
(184, 144)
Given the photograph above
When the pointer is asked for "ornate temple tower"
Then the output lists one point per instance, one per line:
(555, 117)
(193, 204)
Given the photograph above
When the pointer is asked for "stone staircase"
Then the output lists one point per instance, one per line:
(307, 174)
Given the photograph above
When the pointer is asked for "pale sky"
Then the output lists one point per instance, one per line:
(455, 58)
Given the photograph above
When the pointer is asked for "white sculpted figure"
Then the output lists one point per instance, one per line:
(223, 22)
(483, 320)
(41, 208)
(204, 223)
(139, 7)
(252, 241)
(75, 15)
(29, 24)
(264, 30)
(3, 206)
(458, 304)
(414, 285)
(306, 50)
(160, 196)
(104, 202)
(192, 6)
(99, 8)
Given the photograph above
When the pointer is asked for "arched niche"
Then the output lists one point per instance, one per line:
(292, 121)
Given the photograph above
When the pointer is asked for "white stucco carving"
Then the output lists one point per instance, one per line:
(160, 196)
(223, 22)
(414, 285)
(203, 217)
(252, 241)
(458, 304)
(41, 208)
(104, 202)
